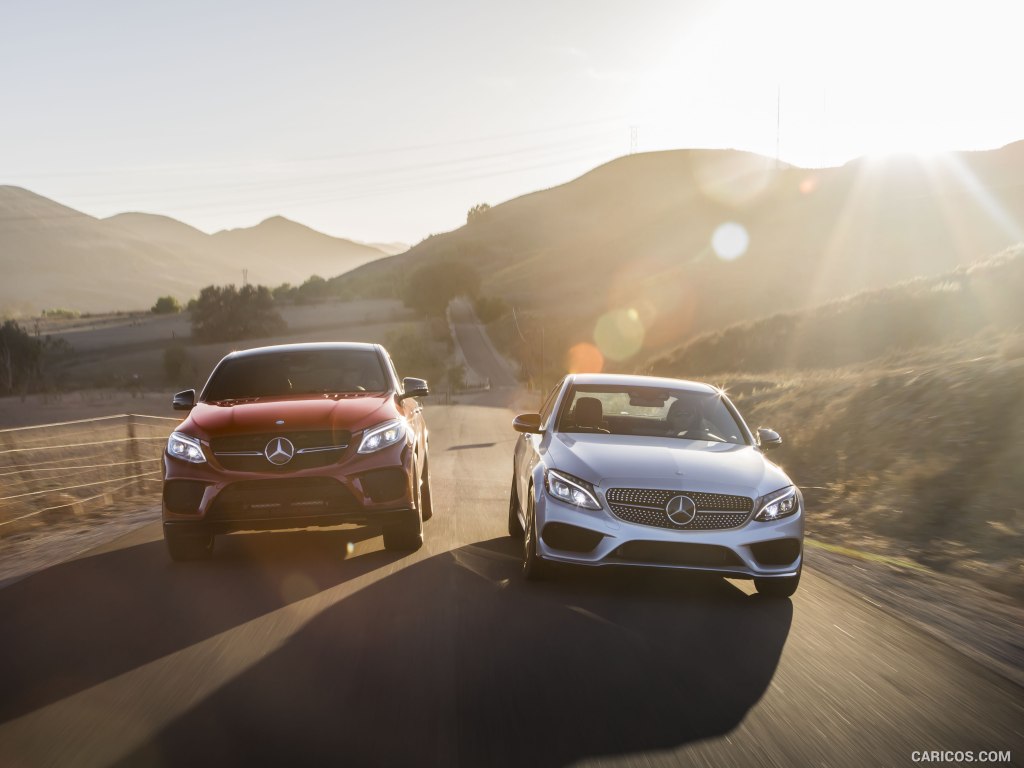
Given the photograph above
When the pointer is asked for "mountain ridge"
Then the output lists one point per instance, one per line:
(55, 256)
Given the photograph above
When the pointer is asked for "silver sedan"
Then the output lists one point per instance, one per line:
(643, 471)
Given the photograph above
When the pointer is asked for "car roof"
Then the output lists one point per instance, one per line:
(633, 380)
(321, 346)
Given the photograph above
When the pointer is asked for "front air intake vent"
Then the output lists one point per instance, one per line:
(571, 538)
(778, 552)
(183, 497)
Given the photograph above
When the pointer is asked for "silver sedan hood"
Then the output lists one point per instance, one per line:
(666, 463)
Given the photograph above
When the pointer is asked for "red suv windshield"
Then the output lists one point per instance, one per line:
(306, 372)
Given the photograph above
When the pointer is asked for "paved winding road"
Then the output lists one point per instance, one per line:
(485, 363)
(320, 648)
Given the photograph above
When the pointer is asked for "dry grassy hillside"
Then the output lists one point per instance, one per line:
(917, 458)
(53, 256)
(902, 414)
(891, 320)
(636, 233)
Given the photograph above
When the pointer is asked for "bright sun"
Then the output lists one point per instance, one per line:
(825, 82)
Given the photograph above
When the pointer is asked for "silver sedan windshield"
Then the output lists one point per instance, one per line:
(649, 412)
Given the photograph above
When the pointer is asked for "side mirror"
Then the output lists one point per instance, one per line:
(768, 438)
(184, 401)
(527, 422)
(414, 388)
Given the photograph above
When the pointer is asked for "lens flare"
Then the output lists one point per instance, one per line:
(730, 241)
(808, 185)
(619, 334)
(584, 358)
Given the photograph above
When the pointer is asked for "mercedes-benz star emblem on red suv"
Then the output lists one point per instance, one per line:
(279, 451)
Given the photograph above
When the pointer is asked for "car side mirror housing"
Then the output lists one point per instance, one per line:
(528, 423)
(184, 401)
(414, 388)
(768, 438)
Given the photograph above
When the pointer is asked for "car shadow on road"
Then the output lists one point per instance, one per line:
(77, 624)
(454, 660)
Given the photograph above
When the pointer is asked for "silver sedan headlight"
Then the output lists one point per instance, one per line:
(571, 490)
(778, 504)
(186, 448)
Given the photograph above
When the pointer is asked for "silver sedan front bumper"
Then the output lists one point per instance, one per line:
(566, 533)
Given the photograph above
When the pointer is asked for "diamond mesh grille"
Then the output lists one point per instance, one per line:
(644, 506)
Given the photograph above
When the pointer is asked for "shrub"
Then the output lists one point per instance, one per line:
(476, 212)
(177, 363)
(23, 358)
(432, 286)
(490, 308)
(224, 313)
(166, 305)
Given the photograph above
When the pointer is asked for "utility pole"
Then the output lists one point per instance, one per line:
(778, 122)
(245, 277)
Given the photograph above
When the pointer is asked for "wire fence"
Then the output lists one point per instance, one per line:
(55, 468)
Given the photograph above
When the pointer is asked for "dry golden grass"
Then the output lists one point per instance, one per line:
(58, 470)
(920, 460)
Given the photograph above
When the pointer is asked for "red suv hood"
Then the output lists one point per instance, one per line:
(350, 412)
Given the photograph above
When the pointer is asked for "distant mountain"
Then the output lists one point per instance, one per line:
(638, 234)
(391, 249)
(54, 256)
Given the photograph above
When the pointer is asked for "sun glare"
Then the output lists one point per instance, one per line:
(822, 83)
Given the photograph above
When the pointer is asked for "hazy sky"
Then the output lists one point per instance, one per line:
(388, 120)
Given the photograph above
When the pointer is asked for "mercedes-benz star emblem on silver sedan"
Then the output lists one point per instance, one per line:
(681, 510)
(652, 472)
(279, 451)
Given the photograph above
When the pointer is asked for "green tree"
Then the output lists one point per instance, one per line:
(284, 293)
(476, 212)
(166, 305)
(314, 289)
(490, 308)
(225, 313)
(23, 358)
(429, 288)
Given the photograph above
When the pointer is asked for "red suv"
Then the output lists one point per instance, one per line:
(294, 436)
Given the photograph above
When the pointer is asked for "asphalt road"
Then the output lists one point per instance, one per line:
(479, 354)
(319, 648)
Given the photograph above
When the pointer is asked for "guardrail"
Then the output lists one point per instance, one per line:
(54, 469)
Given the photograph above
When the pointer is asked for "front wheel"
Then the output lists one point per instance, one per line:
(534, 567)
(515, 528)
(426, 502)
(781, 587)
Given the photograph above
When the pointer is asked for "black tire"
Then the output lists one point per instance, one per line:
(515, 528)
(778, 588)
(534, 567)
(426, 501)
(188, 547)
(404, 537)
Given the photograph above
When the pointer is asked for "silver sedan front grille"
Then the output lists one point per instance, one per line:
(715, 511)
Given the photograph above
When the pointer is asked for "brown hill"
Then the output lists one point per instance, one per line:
(54, 256)
(637, 233)
(890, 321)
